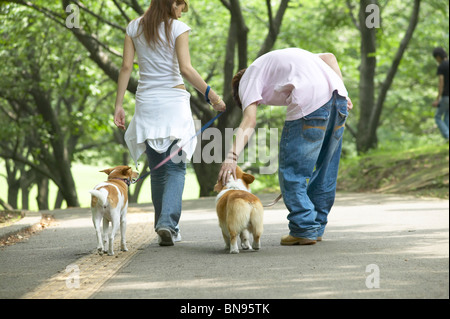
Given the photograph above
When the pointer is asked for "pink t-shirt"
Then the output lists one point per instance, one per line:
(293, 77)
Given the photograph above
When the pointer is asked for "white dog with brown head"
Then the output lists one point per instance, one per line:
(240, 212)
(109, 202)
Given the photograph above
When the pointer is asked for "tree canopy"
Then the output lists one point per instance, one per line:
(61, 60)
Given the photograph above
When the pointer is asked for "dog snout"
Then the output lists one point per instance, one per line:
(134, 175)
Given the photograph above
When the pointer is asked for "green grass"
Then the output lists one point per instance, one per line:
(421, 171)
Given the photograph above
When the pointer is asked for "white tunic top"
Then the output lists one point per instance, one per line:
(163, 113)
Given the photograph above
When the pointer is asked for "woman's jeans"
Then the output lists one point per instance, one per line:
(310, 151)
(167, 184)
(441, 117)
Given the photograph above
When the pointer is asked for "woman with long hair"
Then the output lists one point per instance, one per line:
(163, 121)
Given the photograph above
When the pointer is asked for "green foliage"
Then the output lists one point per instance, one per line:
(83, 96)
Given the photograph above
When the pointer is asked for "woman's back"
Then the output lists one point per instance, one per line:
(158, 63)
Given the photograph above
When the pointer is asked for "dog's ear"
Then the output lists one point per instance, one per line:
(126, 171)
(107, 171)
(247, 178)
(218, 187)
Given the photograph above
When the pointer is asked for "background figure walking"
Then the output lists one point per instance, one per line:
(442, 101)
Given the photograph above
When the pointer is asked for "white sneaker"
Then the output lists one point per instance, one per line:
(176, 238)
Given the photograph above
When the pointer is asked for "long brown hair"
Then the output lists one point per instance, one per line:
(158, 12)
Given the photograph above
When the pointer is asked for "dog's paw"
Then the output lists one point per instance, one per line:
(234, 251)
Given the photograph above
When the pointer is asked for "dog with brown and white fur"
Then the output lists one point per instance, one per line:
(109, 201)
(240, 212)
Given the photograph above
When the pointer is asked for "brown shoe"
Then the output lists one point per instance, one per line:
(319, 238)
(289, 240)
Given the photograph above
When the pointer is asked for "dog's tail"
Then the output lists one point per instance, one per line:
(102, 195)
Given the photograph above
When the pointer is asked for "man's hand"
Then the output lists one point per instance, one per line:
(227, 170)
(349, 104)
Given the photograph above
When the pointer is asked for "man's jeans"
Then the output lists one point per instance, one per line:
(442, 112)
(310, 151)
(167, 184)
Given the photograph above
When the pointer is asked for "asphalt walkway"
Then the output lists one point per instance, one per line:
(376, 246)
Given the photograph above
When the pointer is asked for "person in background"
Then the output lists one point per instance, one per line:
(442, 101)
(163, 121)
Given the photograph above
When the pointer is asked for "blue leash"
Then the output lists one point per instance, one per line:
(168, 158)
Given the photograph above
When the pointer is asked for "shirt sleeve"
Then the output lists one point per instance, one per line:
(250, 91)
(441, 70)
(132, 28)
(178, 28)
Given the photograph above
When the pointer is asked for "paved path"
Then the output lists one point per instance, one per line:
(375, 246)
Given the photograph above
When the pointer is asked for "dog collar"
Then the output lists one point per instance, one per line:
(125, 180)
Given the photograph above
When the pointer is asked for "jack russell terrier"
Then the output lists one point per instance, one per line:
(109, 201)
(239, 212)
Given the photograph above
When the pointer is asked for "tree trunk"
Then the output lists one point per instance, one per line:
(61, 163)
(13, 193)
(274, 26)
(27, 179)
(42, 195)
(365, 140)
(386, 85)
(371, 109)
(5, 205)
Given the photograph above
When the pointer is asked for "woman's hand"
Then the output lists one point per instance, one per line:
(119, 118)
(221, 107)
(227, 170)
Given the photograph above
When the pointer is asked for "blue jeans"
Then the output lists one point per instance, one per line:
(310, 151)
(442, 112)
(167, 185)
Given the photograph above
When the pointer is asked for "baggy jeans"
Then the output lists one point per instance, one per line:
(310, 151)
(167, 185)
